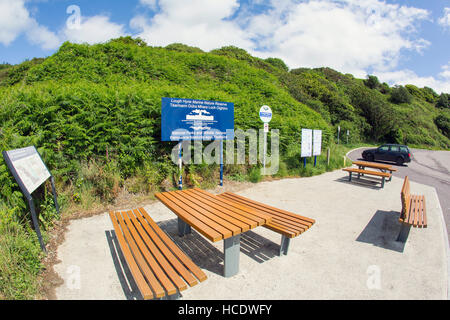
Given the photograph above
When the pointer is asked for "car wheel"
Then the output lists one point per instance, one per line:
(400, 161)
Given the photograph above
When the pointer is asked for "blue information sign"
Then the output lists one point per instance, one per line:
(188, 119)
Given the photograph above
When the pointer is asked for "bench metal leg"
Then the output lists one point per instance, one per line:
(183, 228)
(231, 248)
(284, 246)
(404, 232)
(349, 176)
(382, 182)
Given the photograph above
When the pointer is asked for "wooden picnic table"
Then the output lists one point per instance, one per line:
(215, 218)
(381, 166)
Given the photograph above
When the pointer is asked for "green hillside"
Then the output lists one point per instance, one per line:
(94, 113)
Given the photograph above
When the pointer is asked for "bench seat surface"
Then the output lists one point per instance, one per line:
(413, 207)
(157, 264)
(375, 173)
(284, 222)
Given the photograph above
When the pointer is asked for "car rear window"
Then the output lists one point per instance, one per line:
(404, 149)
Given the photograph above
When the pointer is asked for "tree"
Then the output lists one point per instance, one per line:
(443, 101)
(372, 82)
(276, 62)
(400, 94)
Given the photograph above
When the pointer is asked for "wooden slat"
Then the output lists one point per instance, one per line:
(252, 214)
(268, 208)
(374, 173)
(279, 218)
(214, 215)
(288, 217)
(166, 256)
(137, 275)
(411, 211)
(288, 223)
(417, 210)
(159, 257)
(151, 261)
(201, 276)
(248, 219)
(208, 220)
(374, 165)
(281, 228)
(424, 214)
(154, 284)
(197, 224)
(234, 218)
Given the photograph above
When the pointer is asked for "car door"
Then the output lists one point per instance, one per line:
(394, 153)
(382, 153)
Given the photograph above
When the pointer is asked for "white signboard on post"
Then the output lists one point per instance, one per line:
(317, 142)
(30, 169)
(306, 143)
(265, 114)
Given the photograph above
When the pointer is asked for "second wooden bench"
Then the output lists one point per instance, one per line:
(360, 172)
(413, 213)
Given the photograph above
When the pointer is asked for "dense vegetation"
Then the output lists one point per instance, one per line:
(93, 112)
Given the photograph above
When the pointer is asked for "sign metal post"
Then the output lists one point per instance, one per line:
(30, 172)
(265, 114)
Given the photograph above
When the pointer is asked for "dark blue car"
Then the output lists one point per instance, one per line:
(397, 153)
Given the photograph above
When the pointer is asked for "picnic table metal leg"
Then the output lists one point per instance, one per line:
(349, 176)
(404, 232)
(183, 228)
(284, 246)
(231, 248)
(382, 182)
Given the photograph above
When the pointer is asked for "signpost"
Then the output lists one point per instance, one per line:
(339, 131)
(317, 144)
(30, 172)
(306, 150)
(265, 114)
(189, 119)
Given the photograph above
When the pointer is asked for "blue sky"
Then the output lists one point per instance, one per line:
(397, 40)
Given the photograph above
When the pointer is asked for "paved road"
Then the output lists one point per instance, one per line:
(427, 167)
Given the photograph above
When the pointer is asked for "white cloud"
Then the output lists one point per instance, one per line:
(350, 36)
(92, 30)
(440, 84)
(152, 4)
(15, 20)
(200, 23)
(445, 19)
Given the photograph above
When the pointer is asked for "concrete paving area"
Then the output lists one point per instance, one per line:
(350, 253)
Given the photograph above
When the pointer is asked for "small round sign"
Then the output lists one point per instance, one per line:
(265, 114)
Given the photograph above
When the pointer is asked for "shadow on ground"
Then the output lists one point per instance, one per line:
(382, 231)
(204, 254)
(127, 282)
(367, 182)
(200, 250)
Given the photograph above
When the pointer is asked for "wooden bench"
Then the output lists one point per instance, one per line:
(413, 213)
(159, 268)
(288, 224)
(360, 172)
(380, 166)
